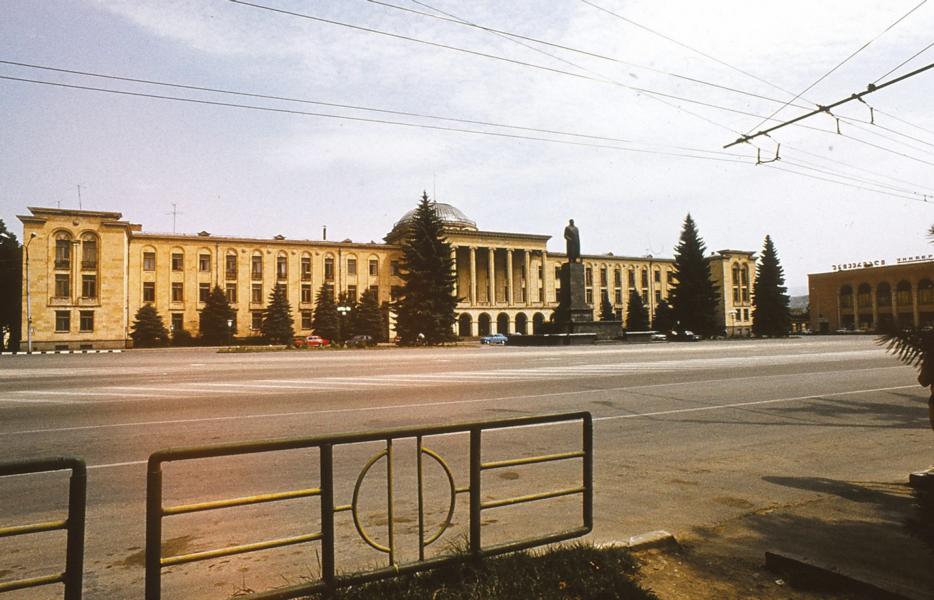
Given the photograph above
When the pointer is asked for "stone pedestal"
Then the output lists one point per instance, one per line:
(573, 305)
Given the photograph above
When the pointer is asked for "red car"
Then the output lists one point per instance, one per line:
(311, 341)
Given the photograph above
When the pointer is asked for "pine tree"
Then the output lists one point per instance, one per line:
(369, 318)
(426, 302)
(693, 296)
(606, 309)
(346, 320)
(663, 317)
(637, 317)
(325, 322)
(277, 318)
(148, 330)
(11, 288)
(213, 325)
(385, 311)
(770, 313)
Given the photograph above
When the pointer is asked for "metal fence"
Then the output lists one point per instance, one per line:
(330, 580)
(73, 524)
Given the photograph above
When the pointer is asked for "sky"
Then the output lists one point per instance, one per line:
(630, 141)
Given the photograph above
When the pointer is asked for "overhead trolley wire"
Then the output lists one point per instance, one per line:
(840, 64)
(906, 61)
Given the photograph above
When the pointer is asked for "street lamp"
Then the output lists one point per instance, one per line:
(343, 310)
(229, 330)
(32, 236)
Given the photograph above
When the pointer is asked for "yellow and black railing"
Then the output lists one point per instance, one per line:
(330, 580)
(71, 577)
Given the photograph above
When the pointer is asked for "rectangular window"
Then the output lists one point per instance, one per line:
(62, 285)
(351, 266)
(603, 278)
(352, 293)
(204, 290)
(232, 293)
(89, 255)
(588, 276)
(374, 267)
(256, 267)
(745, 294)
(745, 314)
(306, 319)
(374, 289)
(256, 320)
(282, 267)
(658, 276)
(736, 295)
(658, 296)
(329, 269)
(178, 291)
(285, 289)
(149, 261)
(62, 254)
(86, 320)
(62, 320)
(306, 268)
(178, 261)
(89, 286)
(178, 322)
(256, 293)
(306, 293)
(589, 296)
(204, 263)
(618, 277)
(632, 279)
(394, 268)
(557, 273)
(149, 291)
(230, 266)
(645, 278)
(618, 296)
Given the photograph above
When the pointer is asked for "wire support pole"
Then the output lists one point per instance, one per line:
(826, 109)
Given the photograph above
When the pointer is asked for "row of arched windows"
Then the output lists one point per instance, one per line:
(884, 294)
(64, 244)
(485, 324)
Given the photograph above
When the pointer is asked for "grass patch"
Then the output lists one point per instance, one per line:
(574, 572)
(249, 349)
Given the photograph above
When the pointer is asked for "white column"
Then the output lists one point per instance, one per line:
(473, 277)
(491, 274)
(510, 289)
(528, 277)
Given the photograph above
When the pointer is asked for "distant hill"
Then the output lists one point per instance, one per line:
(798, 302)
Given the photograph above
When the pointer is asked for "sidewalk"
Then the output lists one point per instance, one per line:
(856, 528)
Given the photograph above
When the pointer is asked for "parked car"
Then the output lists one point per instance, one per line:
(360, 341)
(683, 336)
(497, 339)
(658, 337)
(311, 341)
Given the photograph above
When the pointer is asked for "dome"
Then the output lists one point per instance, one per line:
(452, 218)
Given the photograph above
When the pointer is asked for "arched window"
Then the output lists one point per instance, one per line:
(62, 250)
(463, 325)
(89, 251)
(256, 265)
(230, 264)
(736, 274)
(306, 266)
(522, 324)
(846, 297)
(903, 294)
(864, 295)
(282, 266)
(925, 292)
(483, 324)
(884, 294)
(329, 268)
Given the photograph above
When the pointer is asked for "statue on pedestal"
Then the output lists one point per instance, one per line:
(572, 236)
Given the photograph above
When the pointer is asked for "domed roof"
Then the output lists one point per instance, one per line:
(452, 218)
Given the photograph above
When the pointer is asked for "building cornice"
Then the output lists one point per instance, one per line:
(67, 212)
(208, 239)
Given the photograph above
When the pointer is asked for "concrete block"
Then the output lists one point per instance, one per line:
(652, 539)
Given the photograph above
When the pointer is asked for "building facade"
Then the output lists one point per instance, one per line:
(91, 271)
(873, 296)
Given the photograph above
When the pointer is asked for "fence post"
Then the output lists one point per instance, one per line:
(154, 529)
(475, 474)
(588, 470)
(77, 510)
(327, 518)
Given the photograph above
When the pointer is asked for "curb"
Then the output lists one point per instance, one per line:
(61, 352)
(645, 541)
(807, 573)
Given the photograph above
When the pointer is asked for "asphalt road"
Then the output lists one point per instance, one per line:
(686, 435)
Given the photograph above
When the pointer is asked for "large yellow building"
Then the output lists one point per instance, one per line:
(873, 296)
(90, 271)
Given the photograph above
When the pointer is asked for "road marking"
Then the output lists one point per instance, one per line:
(456, 402)
(66, 393)
(38, 401)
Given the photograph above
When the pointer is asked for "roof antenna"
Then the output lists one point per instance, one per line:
(324, 232)
(174, 214)
(79, 197)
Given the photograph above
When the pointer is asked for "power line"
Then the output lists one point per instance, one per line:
(859, 187)
(849, 166)
(353, 107)
(906, 61)
(826, 109)
(588, 53)
(727, 158)
(838, 65)
(858, 179)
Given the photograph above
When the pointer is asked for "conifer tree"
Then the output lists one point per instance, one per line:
(606, 309)
(426, 301)
(325, 322)
(369, 318)
(637, 317)
(11, 288)
(277, 318)
(693, 296)
(770, 313)
(663, 317)
(214, 317)
(148, 330)
(346, 321)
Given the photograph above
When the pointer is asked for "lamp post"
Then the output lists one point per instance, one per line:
(342, 311)
(32, 236)
(229, 330)
(651, 302)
